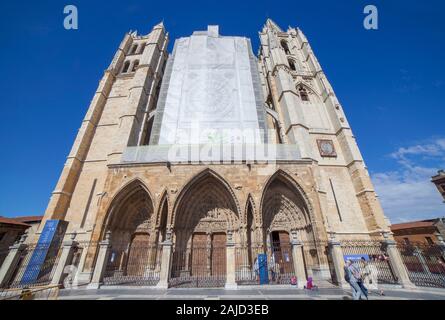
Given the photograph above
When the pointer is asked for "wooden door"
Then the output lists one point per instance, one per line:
(219, 254)
(138, 254)
(285, 258)
(199, 254)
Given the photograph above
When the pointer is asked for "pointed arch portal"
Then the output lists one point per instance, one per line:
(134, 257)
(206, 216)
(210, 241)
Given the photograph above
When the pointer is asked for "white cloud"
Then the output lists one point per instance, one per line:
(407, 193)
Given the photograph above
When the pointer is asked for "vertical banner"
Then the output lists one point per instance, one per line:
(262, 265)
(46, 248)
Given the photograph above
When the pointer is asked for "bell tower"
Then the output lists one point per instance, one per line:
(305, 111)
(118, 116)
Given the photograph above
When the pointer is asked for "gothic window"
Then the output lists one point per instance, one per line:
(303, 94)
(133, 49)
(135, 65)
(126, 67)
(158, 90)
(142, 48)
(285, 46)
(277, 131)
(292, 65)
(146, 141)
(163, 65)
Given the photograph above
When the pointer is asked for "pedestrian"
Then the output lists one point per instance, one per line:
(256, 269)
(272, 268)
(370, 275)
(310, 284)
(352, 275)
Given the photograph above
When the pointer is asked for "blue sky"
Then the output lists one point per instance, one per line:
(390, 82)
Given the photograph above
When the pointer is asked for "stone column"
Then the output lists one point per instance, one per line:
(65, 259)
(101, 262)
(441, 243)
(166, 263)
(231, 264)
(338, 260)
(396, 262)
(298, 260)
(11, 262)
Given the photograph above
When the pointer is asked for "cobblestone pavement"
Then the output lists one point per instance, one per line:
(260, 293)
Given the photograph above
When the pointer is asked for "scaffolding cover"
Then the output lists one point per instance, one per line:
(210, 93)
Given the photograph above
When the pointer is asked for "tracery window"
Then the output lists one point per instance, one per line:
(126, 67)
(135, 65)
(285, 46)
(134, 49)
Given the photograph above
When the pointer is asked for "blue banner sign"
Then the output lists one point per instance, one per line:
(356, 257)
(50, 237)
(262, 268)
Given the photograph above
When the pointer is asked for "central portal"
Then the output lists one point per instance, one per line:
(206, 213)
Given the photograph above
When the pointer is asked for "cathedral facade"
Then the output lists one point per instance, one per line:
(196, 165)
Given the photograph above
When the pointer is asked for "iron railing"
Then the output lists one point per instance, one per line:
(204, 265)
(279, 266)
(135, 265)
(372, 260)
(199, 266)
(36, 266)
(425, 263)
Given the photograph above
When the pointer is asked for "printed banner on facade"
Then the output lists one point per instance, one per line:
(49, 240)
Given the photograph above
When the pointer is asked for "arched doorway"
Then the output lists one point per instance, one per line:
(285, 217)
(205, 214)
(137, 256)
(134, 253)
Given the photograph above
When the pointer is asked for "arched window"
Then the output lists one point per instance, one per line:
(135, 65)
(277, 131)
(148, 130)
(292, 65)
(141, 48)
(303, 93)
(285, 46)
(133, 49)
(126, 67)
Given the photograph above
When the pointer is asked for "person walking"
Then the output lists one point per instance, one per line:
(256, 269)
(352, 276)
(370, 275)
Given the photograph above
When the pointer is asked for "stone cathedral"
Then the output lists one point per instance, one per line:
(192, 166)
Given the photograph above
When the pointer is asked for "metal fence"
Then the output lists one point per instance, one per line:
(280, 266)
(372, 260)
(36, 266)
(135, 265)
(425, 263)
(199, 266)
(205, 265)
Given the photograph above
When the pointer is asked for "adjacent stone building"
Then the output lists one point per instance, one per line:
(194, 162)
(11, 229)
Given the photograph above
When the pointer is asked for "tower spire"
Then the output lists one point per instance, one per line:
(271, 24)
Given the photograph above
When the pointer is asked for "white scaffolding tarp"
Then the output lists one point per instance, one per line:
(211, 93)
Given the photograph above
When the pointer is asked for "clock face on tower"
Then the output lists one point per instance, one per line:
(326, 148)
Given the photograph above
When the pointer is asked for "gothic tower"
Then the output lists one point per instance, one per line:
(119, 115)
(304, 110)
